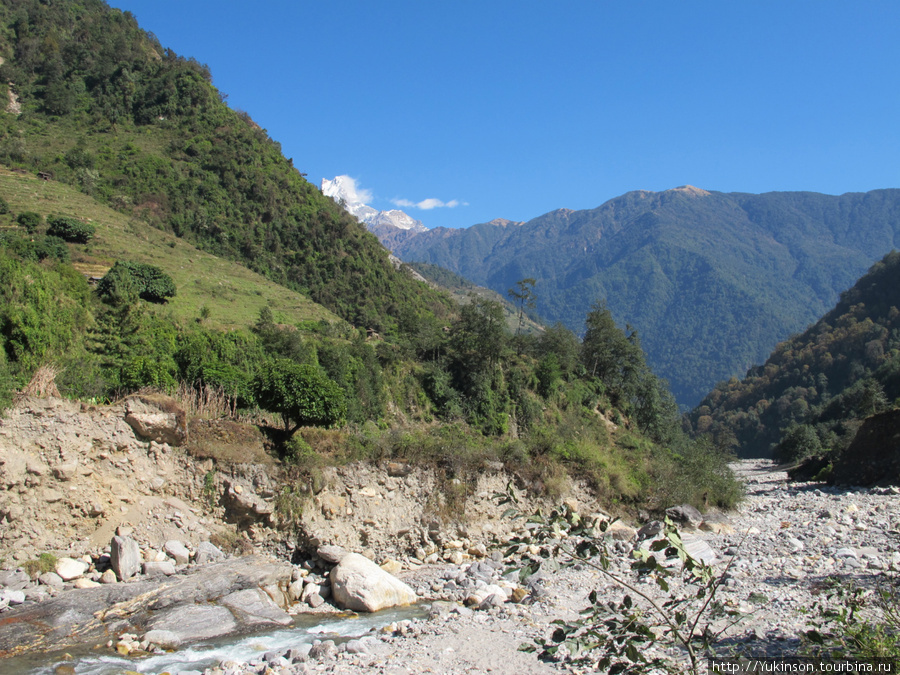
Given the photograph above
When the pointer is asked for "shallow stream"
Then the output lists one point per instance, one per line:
(201, 655)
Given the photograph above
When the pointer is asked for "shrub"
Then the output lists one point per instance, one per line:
(30, 221)
(70, 229)
(126, 279)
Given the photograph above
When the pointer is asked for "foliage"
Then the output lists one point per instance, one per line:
(70, 229)
(45, 562)
(30, 221)
(704, 311)
(302, 394)
(610, 636)
(128, 279)
(852, 622)
(811, 394)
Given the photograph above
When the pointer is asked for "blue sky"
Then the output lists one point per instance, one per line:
(512, 109)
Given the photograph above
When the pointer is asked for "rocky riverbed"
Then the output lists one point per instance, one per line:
(72, 477)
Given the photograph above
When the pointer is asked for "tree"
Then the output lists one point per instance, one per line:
(125, 279)
(523, 297)
(70, 229)
(302, 394)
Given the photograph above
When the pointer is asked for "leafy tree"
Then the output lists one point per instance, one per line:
(302, 394)
(125, 279)
(70, 229)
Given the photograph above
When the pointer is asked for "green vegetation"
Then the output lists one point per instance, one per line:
(710, 280)
(127, 279)
(70, 229)
(813, 392)
(137, 148)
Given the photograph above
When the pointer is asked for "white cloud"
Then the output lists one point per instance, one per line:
(427, 204)
(346, 188)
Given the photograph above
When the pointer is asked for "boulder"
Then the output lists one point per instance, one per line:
(177, 551)
(157, 568)
(360, 585)
(685, 515)
(124, 557)
(243, 506)
(254, 606)
(207, 553)
(69, 569)
(156, 418)
(717, 524)
(332, 554)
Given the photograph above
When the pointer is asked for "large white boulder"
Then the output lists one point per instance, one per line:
(359, 584)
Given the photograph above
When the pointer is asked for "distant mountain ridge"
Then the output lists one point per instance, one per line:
(711, 280)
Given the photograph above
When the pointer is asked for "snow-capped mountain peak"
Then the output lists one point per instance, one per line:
(344, 191)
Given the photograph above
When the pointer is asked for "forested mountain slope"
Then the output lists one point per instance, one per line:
(98, 103)
(813, 392)
(710, 280)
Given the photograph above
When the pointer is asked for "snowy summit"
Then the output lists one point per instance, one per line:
(343, 190)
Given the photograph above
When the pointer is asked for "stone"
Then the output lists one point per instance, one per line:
(164, 639)
(69, 569)
(360, 585)
(83, 582)
(685, 515)
(254, 607)
(51, 579)
(177, 551)
(124, 557)
(619, 531)
(207, 553)
(195, 622)
(295, 590)
(65, 471)
(52, 496)
(331, 554)
(12, 597)
(392, 566)
(108, 577)
(157, 418)
(157, 568)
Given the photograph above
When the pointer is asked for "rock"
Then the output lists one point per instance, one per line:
(359, 584)
(243, 506)
(195, 622)
(51, 579)
(619, 531)
(207, 553)
(332, 505)
(69, 569)
(11, 597)
(164, 639)
(398, 469)
(83, 582)
(177, 551)
(157, 418)
(650, 530)
(295, 590)
(332, 554)
(685, 515)
(108, 577)
(124, 557)
(700, 550)
(65, 471)
(158, 568)
(392, 566)
(254, 607)
(51, 496)
(315, 600)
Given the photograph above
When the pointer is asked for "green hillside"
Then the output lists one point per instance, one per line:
(232, 294)
(811, 395)
(710, 280)
(99, 104)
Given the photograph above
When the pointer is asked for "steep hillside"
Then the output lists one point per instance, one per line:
(813, 392)
(710, 280)
(231, 294)
(101, 105)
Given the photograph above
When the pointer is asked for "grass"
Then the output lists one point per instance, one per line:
(232, 295)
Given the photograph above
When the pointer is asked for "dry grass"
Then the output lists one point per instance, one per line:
(43, 383)
(208, 402)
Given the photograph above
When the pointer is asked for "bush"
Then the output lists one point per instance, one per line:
(30, 221)
(126, 279)
(4, 206)
(70, 229)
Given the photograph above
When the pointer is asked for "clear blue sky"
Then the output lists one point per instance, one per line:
(513, 109)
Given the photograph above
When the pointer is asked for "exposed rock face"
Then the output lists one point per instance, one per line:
(156, 418)
(359, 584)
(874, 455)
